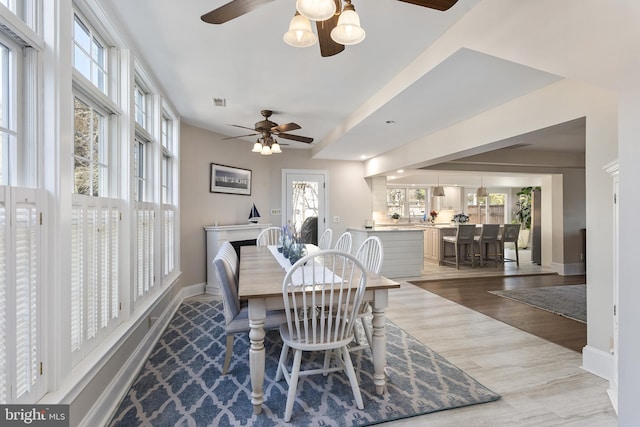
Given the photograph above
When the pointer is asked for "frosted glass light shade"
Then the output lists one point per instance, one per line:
(300, 33)
(275, 148)
(257, 147)
(316, 10)
(348, 31)
(266, 151)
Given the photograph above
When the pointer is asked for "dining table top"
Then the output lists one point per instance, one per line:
(261, 275)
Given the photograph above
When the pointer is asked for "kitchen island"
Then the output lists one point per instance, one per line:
(403, 248)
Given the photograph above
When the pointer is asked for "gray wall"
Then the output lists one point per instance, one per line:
(349, 196)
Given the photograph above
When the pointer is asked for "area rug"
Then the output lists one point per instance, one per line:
(181, 384)
(567, 300)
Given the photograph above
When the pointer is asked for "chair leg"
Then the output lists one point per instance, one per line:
(457, 255)
(517, 257)
(351, 373)
(227, 357)
(282, 361)
(293, 385)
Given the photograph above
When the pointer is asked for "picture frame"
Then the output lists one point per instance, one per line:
(230, 180)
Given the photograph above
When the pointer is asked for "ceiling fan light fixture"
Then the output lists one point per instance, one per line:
(257, 147)
(316, 10)
(266, 150)
(348, 31)
(275, 147)
(300, 33)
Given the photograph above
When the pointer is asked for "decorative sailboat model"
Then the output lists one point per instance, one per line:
(254, 214)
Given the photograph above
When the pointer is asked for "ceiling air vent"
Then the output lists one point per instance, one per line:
(219, 102)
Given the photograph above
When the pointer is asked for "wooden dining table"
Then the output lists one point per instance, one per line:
(260, 282)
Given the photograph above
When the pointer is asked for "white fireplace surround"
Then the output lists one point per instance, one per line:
(216, 235)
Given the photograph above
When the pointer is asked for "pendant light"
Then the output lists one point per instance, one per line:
(348, 31)
(257, 147)
(482, 190)
(316, 10)
(438, 191)
(300, 34)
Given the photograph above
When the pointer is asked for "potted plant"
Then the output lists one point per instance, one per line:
(460, 218)
(395, 217)
(522, 215)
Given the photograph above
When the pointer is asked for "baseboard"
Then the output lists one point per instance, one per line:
(105, 406)
(597, 362)
(211, 290)
(574, 269)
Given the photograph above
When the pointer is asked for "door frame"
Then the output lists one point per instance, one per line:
(322, 216)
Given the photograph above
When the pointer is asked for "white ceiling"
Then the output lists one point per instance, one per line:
(246, 62)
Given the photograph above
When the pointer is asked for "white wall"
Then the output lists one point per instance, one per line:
(349, 196)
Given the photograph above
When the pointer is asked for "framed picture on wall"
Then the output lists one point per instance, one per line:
(230, 180)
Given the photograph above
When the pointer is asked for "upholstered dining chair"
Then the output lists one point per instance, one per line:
(510, 234)
(322, 293)
(269, 236)
(463, 240)
(236, 314)
(344, 242)
(371, 255)
(325, 240)
(488, 239)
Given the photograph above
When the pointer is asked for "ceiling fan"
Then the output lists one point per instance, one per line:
(325, 26)
(266, 143)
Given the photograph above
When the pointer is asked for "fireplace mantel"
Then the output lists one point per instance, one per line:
(216, 235)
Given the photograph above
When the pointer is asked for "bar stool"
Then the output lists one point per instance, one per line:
(510, 234)
(488, 238)
(462, 240)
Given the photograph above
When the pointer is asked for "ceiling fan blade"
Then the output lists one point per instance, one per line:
(327, 46)
(285, 127)
(433, 4)
(232, 10)
(298, 138)
(243, 127)
(239, 136)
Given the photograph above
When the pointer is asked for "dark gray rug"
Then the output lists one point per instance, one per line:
(566, 300)
(181, 385)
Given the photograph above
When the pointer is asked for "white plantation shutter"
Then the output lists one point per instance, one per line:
(145, 229)
(20, 263)
(95, 234)
(168, 246)
(4, 368)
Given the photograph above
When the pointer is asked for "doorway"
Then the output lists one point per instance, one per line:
(304, 202)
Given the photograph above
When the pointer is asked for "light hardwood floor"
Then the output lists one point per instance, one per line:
(541, 383)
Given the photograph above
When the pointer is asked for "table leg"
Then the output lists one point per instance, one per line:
(257, 315)
(379, 350)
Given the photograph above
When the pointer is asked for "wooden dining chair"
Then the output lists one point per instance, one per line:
(236, 314)
(488, 239)
(510, 234)
(371, 255)
(320, 318)
(463, 240)
(269, 236)
(325, 240)
(344, 242)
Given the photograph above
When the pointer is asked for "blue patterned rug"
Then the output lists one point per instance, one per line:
(181, 384)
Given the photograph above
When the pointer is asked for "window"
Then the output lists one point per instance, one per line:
(396, 198)
(139, 170)
(416, 198)
(167, 196)
(140, 99)
(89, 54)
(90, 150)
(480, 213)
(7, 115)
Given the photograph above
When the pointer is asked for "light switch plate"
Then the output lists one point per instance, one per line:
(275, 211)
(336, 218)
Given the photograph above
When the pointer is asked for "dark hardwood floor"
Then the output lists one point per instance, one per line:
(473, 293)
